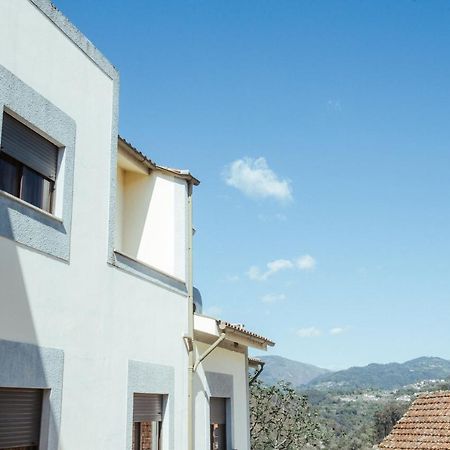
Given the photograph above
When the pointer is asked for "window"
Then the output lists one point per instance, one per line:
(20, 418)
(218, 427)
(28, 164)
(147, 417)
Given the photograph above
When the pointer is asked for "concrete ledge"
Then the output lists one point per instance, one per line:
(149, 273)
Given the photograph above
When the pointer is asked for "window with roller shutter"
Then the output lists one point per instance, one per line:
(20, 418)
(147, 418)
(28, 164)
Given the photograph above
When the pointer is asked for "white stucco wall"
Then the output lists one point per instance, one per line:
(227, 362)
(153, 220)
(100, 316)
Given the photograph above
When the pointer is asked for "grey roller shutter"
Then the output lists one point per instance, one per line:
(20, 417)
(147, 407)
(217, 410)
(29, 147)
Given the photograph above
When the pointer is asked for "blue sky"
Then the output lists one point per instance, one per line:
(320, 132)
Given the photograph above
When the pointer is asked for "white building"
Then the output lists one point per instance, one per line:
(98, 344)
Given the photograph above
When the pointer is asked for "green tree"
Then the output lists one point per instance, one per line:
(281, 419)
(386, 418)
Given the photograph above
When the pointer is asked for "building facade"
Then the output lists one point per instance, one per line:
(95, 251)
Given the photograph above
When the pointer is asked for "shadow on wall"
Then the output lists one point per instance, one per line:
(23, 363)
(138, 193)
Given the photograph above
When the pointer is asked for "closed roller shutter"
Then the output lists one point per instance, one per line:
(217, 410)
(29, 147)
(147, 407)
(20, 417)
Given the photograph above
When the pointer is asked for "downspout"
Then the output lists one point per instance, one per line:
(190, 335)
(258, 373)
(209, 350)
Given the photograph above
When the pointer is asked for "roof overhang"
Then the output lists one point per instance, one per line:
(255, 363)
(237, 338)
(127, 152)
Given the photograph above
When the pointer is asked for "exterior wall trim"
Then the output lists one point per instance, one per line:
(151, 378)
(19, 221)
(219, 384)
(31, 366)
(76, 36)
(148, 273)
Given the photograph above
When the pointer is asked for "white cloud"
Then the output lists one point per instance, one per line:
(256, 179)
(213, 311)
(273, 298)
(306, 262)
(308, 332)
(337, 330)
(254, 273)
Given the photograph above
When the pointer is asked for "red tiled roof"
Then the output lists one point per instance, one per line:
(426, 425)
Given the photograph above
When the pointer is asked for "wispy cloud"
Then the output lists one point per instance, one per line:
(306, 262)
(303, 263)
(308, 332)
(273, 298)
(337, 330)
(256, 179)
(254, 273)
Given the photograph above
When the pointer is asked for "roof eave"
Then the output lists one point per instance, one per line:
(141, 158)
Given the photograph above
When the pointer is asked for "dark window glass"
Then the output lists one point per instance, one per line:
(21, 181)
(136, 436)
(35, 189)
(9, 176)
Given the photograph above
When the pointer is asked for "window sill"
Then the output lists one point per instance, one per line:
(29, 205)
(149, 273)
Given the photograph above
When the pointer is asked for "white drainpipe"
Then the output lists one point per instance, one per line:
(190, 336)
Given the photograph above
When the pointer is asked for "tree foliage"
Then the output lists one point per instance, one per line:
(282, 419)
(386, 418)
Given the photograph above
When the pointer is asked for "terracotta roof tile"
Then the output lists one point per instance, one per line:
(426, 425)
(242, 329)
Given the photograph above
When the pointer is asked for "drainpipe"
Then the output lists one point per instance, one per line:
(258, 372)
(209, 350)
(190, 335)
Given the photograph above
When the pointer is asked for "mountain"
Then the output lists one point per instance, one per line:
(385, 376)
(278, 368)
